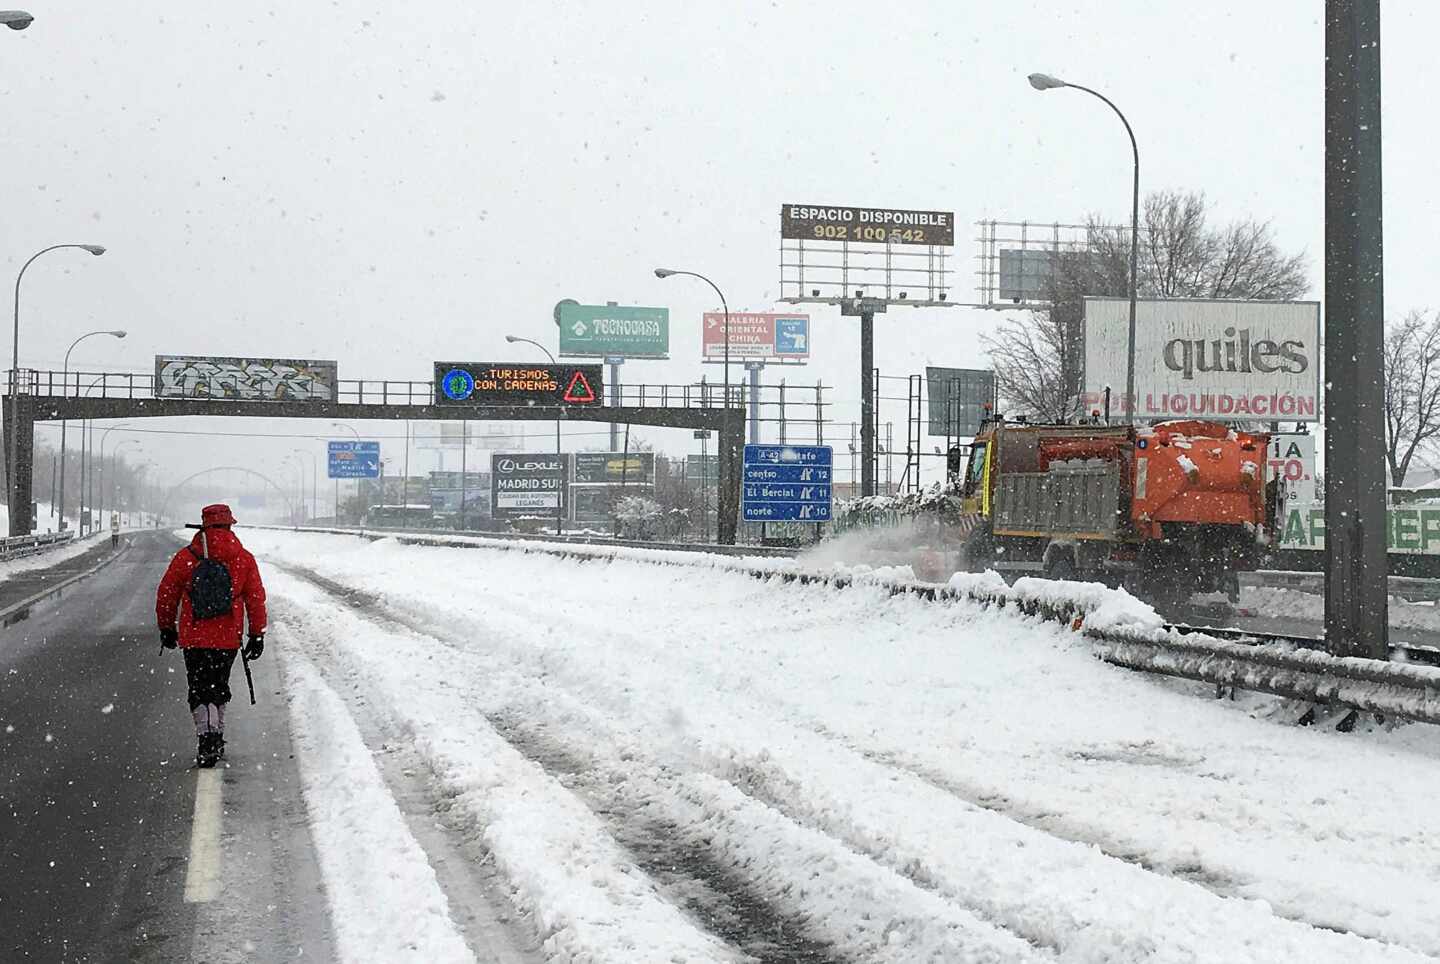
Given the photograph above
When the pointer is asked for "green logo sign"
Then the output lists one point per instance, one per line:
(626, 330)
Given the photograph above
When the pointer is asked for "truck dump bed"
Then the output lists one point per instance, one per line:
(1077, 498)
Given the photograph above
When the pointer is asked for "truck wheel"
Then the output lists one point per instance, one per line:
(979, 550)
(1061, 566)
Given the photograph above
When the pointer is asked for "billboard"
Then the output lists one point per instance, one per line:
(350, 459)
(756, 336)
(956, 399)
(440, 435)
(702, 469)
(815, 222)
(1195, 358)
(624, 330)
(245, 379)
(1025, 273)
(1292, 461)
(510, 383)
(526, 484)
(635, 468)
(1409, 530)
(445, 492)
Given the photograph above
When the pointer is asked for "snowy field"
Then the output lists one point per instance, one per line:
(668, 763)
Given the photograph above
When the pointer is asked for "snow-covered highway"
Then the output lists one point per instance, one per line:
(677, 763)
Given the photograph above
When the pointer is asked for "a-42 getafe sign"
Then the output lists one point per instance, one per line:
(787, 483)
(513, 383)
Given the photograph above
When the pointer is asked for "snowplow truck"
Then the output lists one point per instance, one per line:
(1166, 510)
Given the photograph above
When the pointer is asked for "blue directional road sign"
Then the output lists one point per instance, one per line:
(787, 483)
(792, 337)
(354, 460)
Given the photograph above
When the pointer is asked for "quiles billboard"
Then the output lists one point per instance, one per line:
(1207, 359)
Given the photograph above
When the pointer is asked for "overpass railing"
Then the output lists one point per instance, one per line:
(795, 406)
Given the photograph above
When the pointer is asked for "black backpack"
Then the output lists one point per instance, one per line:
(212, 594)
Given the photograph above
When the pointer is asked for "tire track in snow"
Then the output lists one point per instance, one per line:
(478, 903)
(1218, 884)
(717, 898)
(716, 888)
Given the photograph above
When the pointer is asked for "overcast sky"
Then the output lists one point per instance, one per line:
(387, 184)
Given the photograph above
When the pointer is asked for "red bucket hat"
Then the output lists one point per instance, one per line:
(217, 515)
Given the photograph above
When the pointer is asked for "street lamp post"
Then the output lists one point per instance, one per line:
(295, 453)
(103, 436)
(115, 483)
(87, 455)
(1046, 82)
(64, 387)
(669, 272)
(12, 463)
(314, 476)
(352, 431)
(560, 494)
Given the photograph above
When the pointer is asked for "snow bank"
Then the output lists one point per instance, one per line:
(969, 755)
(48, 558)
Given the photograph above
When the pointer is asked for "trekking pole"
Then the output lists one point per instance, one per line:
(249, 680)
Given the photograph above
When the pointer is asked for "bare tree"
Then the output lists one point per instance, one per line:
(1412, 389)
(1026, 354)
(1037, 358)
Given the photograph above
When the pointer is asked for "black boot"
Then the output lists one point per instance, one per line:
(209, 749)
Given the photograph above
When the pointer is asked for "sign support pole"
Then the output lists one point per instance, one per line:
(464, 459)
(1356, 617)
(866, 309)
(614, 361)
(755, 368)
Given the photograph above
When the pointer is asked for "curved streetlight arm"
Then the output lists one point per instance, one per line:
(530, 341)
(692, 274)
(94, 249)
(670, 272)
(116, 333)
(1045, 83)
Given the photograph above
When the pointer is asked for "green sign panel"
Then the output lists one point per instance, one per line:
(1408, 530)
(628, 331)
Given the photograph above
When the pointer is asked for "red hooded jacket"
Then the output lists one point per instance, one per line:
(172, 599)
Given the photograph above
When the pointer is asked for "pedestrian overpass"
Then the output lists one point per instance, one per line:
(49, 396)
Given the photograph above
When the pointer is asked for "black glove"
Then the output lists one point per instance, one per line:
(169, 637)
(255, 646)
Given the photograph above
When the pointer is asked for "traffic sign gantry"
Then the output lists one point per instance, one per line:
(787, 483)
(515, 383)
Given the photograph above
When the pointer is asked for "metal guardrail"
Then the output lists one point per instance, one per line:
(14, 547)
(1411, 588)
(1292, 667)
(462, 537)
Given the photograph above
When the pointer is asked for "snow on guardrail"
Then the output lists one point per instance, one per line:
(1123, 630)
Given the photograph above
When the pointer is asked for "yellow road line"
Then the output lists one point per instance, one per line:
(202, 879)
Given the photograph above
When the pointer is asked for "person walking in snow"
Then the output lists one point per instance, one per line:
(210, 592)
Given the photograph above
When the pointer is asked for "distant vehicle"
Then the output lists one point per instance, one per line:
(1170, 510)
(400, 517)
